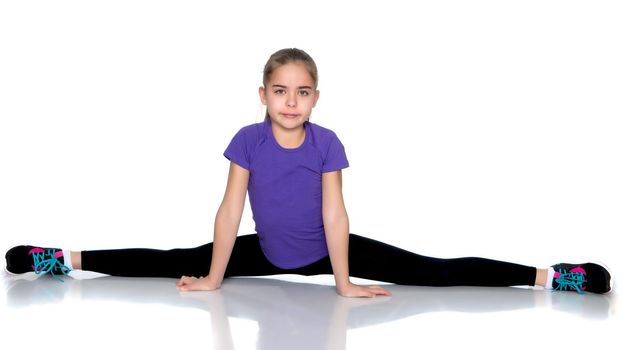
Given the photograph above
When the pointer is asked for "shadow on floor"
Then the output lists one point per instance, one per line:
(313, 312)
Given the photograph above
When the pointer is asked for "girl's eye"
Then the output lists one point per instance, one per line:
(304, 93)
(279, 91)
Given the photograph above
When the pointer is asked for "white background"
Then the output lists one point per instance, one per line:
(484, 128)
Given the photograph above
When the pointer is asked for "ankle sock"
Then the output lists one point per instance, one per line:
(549, 278)
(67, 258)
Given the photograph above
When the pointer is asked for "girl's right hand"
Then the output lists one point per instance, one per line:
(187, 284)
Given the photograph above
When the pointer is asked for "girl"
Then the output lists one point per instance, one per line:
(291, 169)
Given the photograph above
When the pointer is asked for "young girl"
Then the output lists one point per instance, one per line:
(291, 169)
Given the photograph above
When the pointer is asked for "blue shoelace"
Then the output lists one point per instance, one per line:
(47, 262)
(570, 280)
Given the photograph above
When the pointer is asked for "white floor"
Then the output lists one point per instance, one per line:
(294, 312)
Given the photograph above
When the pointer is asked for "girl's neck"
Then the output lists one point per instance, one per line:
(289, 138)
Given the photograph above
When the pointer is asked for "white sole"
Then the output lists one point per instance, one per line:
(30, 276)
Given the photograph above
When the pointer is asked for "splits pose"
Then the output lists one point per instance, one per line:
(291, 169)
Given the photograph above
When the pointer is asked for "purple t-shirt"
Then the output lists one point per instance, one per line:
(285, 189)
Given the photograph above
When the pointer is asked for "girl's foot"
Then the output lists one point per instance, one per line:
(588, 277)
(27, 258)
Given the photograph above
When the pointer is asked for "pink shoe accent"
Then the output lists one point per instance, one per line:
(58, 254)
(556, 274)
(35, 250)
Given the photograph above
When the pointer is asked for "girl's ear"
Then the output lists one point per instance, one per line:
(317, 96)
(262, 95)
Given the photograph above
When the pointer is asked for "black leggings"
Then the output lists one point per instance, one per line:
(368, 258)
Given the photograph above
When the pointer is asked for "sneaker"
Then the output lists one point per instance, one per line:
(581, 278)
(27, 258)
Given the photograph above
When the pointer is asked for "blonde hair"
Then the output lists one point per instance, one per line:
(285, 56)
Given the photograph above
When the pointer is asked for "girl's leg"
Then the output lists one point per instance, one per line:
(246, 259)
(379, 261)
(142, 262)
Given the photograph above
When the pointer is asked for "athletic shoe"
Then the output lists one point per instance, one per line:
(26, 258)
(588, 277)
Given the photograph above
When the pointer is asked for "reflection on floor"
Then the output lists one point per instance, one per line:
(292, 314)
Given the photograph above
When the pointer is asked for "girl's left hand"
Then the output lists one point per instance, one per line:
(353, 290)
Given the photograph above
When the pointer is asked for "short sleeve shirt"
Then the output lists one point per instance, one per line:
(285, 189)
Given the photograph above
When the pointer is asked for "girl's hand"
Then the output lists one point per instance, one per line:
(352, 290)
(187, 284)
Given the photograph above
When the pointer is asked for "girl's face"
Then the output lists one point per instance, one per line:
(289, 95)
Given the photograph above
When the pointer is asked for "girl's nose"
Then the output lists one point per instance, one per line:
(291, 101)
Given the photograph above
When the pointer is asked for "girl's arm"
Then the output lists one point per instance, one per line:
(337, 230)
(226, 228)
